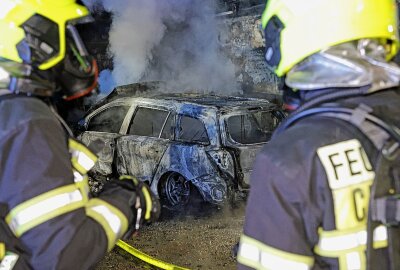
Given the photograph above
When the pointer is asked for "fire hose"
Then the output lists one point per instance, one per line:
(146, 258)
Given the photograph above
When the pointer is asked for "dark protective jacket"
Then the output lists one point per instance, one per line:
(310, 187)
(43, 183)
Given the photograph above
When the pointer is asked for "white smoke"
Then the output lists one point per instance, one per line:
(167, 40)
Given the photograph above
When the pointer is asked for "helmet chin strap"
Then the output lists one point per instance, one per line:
(344, 66)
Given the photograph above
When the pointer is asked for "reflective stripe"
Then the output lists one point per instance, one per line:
(353, 261)
(82, 183)
(85, 161)
(257, 255)
(113, 221)
(81, 157)
(56, 202)
(380, 233)
(78, 177)
(149, 203)
(349, 246)
(44, 207)
(342, 242)
(9, 260)
(334, 241)
(2, 250)
(78, 165)
(82, 160)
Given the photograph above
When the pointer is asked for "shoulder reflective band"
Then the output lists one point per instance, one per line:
(257, 255)
(81, 157)
(9, 260)
(113, 221)
(331, 243)
(44, 207)
(82, 160)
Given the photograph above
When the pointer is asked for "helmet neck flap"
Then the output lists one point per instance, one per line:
(348, 65)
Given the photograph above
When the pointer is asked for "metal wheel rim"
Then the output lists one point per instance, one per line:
(177, 189)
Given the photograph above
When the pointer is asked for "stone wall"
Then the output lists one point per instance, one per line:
(242, 39)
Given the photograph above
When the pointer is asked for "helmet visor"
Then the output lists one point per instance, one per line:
(78, 48)
(78, 72)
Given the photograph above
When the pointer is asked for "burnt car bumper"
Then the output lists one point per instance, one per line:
(212, 188)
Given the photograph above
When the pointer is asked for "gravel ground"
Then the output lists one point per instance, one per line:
(200, 240)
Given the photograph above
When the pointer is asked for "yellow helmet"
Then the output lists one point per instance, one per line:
(297, 29)
(39, 44)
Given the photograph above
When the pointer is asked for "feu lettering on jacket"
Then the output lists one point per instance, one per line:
(350, 177)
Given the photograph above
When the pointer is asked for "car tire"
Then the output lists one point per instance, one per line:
(175, 191)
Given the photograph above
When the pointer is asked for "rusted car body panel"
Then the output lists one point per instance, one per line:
(190, 138)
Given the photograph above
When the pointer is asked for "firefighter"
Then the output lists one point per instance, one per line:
(48, 220)
(310, 188)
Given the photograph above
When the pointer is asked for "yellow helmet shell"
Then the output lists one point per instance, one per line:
(313, 25)
(13, 13)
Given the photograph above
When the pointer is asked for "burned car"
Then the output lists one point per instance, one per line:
(181, 143)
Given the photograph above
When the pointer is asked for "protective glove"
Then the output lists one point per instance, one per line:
(145, 206)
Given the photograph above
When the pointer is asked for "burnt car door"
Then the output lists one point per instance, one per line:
(244, 134)
(187, 160)
(187, 152)
(102, 128)
(139, 151)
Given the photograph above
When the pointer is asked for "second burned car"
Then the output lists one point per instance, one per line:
(181, 143)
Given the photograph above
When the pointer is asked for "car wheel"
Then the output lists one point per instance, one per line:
(175, 190)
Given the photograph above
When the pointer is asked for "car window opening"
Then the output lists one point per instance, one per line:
(108, 120)
(251, 128)
(192, 130)
(148, 122)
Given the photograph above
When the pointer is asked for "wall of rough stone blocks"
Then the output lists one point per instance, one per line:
(242, 40)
